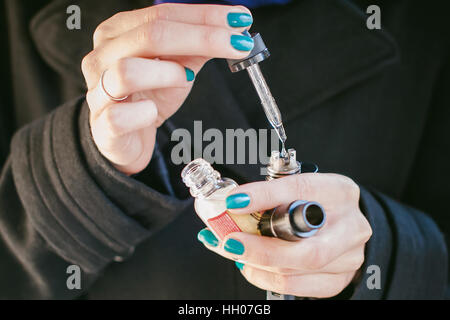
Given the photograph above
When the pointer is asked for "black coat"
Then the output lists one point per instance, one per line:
(372, 105)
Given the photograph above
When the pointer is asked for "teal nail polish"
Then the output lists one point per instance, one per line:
(239, 265)
(234, 247)
(239, 19)
(190, 75)
(207, 237)
(237, 201)
(242, 43)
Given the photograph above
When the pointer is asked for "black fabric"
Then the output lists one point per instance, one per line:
(372, 105)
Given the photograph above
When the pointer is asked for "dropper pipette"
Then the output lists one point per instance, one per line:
(270, 107)
(251, 64)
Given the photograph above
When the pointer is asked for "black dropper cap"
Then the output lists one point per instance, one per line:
(257, 55)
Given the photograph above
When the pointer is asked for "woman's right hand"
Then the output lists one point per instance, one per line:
(152, 55)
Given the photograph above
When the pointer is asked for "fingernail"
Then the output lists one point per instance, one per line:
(190, 75)
(234, 247)
(237, 201)
(239, 19)
(242, 43)
(239, 265)
(207, 237)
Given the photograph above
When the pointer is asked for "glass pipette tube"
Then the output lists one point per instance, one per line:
(269, 105)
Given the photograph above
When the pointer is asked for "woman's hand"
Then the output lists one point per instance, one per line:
(320, 266)
(152, 56)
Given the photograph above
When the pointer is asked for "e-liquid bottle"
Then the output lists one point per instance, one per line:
(210, 192)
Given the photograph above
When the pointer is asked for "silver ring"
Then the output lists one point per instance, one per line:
(106, 92)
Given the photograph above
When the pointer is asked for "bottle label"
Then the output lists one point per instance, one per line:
(223, 225)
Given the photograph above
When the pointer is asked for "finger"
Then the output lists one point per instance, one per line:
(323, 188)
(136, 154)
(212, 15)
(348, 262)
(260, 251)
(310, 254)
(131, 75)
(160, 38)
(120, 119)
(320, 285)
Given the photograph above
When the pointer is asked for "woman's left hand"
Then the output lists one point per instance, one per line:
(320, 266)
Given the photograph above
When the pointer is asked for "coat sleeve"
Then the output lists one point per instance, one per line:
(62, 203)
(407, 244)
(406, 257)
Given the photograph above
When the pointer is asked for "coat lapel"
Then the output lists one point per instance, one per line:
(321, 48)
(64, 49)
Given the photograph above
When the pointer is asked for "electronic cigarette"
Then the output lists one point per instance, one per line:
(303, 218)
